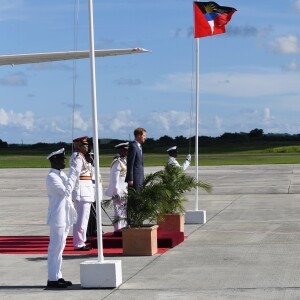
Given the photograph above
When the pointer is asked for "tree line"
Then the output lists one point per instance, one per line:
(161, 144)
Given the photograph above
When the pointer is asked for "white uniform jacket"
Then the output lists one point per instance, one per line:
(81, 187)
(172, 161)
(56, 188)
(117, 185)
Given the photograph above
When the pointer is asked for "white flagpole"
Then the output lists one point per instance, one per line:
(196, 216)
(95, 136)
(98, 274)
(197, 124)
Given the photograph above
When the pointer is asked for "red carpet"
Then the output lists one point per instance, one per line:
(39, 245)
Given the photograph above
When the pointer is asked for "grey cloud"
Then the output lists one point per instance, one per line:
(15, 79)
(190, 31)
(242, 31)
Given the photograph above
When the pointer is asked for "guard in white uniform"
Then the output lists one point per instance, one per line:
(80, 175)
(117, 188)
(58, 218)
(173, 161)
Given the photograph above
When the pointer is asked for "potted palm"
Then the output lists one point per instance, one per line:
(142, 209)
(177, 182)
(160, 198)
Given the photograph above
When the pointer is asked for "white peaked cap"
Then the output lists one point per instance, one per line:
(172, 149)
(60, 151)
(122, 145)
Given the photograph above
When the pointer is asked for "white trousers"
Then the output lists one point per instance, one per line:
(120, 212)
(80, 228)
(58, 237)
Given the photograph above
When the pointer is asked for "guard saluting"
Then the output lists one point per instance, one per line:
(80, 175)
(58, 218)
(173, 161)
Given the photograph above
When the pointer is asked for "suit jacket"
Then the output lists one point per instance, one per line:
(135, 165)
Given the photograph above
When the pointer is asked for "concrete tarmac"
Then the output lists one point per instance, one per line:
(248, 249)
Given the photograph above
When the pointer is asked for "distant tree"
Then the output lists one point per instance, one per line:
(181, 140)
(150, 141)
(256, 133)
(165, 141)
(229, 136)
(234, 136)
(3, 144)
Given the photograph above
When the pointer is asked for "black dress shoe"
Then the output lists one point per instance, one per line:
(56, 284)
(68, 283)
(83, 248)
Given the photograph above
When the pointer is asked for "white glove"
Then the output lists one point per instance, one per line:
(188, 157)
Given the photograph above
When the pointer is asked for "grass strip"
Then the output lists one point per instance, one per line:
(39, 161)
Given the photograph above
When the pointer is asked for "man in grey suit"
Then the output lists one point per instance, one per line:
(135, 160)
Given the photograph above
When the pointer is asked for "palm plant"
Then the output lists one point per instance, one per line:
(162, 193)
(145, 204)
(177, 182)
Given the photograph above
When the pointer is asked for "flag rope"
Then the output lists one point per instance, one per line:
(192, 97)
(76, 17)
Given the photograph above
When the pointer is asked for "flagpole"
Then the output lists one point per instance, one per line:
(100, 273)
(197, 125)
(95, 135)
(196, 216)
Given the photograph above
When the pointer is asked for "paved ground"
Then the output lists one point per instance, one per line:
(248, 249)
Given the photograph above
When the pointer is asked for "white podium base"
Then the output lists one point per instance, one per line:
(195, 217)
(95, 274)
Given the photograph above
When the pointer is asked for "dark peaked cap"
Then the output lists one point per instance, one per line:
(83, 140)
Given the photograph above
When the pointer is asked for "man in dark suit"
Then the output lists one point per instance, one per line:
(135, 160)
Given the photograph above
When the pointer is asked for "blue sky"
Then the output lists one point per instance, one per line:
(249, 77)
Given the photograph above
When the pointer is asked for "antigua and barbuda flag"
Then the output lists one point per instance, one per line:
(210, 18)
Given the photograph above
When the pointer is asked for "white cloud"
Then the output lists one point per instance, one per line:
(292, 66)
(171, 123)
(79, 122)
(57, 128)
(8, 118)
(4, 118)
(286, 45)
(297, 4)
(218, 122)
(267, 118)
(122, 122)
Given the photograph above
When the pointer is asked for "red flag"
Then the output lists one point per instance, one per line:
(211, 18)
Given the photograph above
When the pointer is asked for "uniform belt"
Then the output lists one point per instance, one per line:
(85, 178)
